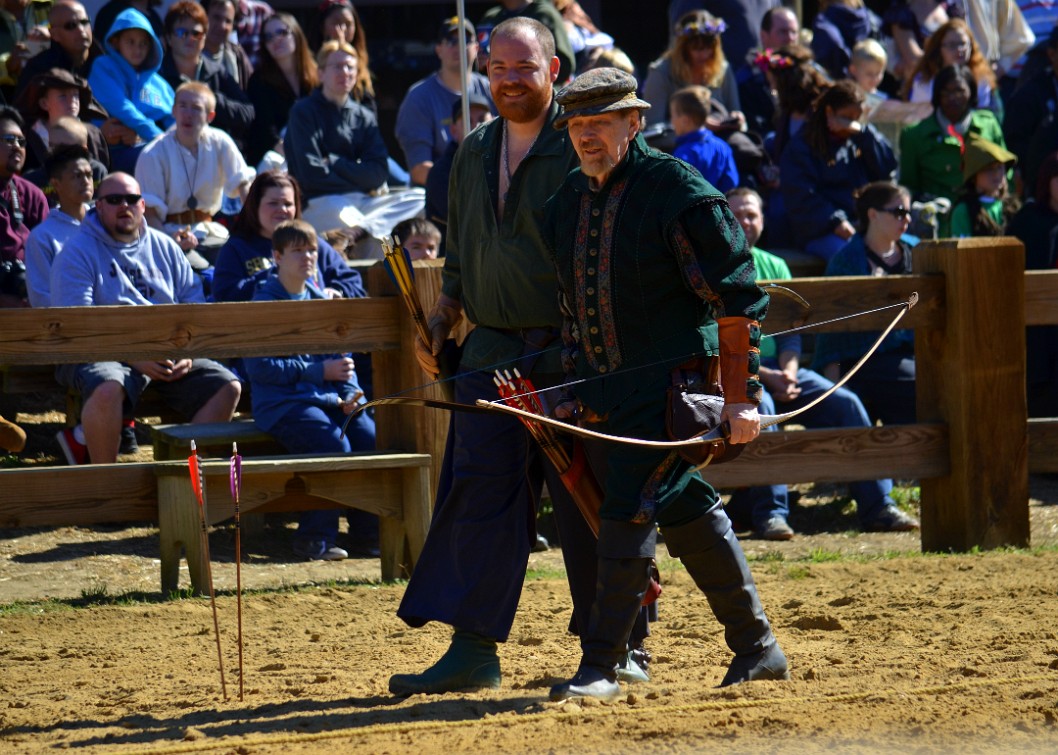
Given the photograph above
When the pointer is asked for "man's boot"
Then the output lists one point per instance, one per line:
(619, 591)
(709, 550)
(469, 664)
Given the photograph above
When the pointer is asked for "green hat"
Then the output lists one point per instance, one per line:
(599, 90)
(979, 153)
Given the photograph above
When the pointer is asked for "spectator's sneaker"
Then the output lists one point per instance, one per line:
(891, 519)
(12, 437)
(129, 444)
(776, 528)
(540, 545)
(318, 550)
(76, 453)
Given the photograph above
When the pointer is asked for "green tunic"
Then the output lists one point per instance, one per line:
(500, 270)
(647, 265)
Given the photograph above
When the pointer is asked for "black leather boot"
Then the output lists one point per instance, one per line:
(709, 550)
(621, 584)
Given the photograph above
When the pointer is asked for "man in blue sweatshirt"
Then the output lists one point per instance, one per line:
(117, 259)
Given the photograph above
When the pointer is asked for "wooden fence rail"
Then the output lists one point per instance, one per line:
(972, 448)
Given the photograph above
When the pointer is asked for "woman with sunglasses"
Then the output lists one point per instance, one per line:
(886, 384)
(824, 163)
(285, 74)
(695, 58)
(185, 31)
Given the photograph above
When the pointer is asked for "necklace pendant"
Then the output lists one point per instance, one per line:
(192, 203)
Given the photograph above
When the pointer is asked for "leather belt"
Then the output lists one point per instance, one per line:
(187, 217)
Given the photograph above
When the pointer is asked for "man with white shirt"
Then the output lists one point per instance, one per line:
(187, 171)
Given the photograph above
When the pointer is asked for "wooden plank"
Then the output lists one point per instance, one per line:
(74, 496)
(839, 455)
(971, 375)
(398, 371)
(1043, 445)
(839, 297)
(234, 329)
(1041, 297)
(302, 463)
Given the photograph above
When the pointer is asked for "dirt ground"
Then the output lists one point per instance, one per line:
(890, 650)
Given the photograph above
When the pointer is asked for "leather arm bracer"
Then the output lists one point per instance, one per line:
(740, 360)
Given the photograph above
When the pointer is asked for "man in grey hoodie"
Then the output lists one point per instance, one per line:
(117, 259)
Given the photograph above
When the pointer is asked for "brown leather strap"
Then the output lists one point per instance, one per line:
(187, 217)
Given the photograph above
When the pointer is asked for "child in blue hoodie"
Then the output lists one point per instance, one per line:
(126, 82)
(302, 400)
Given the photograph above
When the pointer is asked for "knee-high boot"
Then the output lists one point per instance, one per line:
(709, 550)
(620, 586)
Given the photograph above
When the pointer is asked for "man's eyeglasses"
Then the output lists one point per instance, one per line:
(116, 200)
(183, 33)
(900, 213)
(281, 33)
(79, 23)
(12, 140)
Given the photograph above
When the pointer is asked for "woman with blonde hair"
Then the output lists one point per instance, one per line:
(953, 44)
(695, 57)
(285, 74)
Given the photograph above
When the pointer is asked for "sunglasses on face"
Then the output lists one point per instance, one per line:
(183, 33)
(11, 140)
(116, 200)
(74, 25)
(281, 33)
(900, 213)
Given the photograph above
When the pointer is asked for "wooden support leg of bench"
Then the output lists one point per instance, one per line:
(401, 540)
(179, 525)
(418, 497)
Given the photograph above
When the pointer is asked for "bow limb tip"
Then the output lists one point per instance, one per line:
(912, 300)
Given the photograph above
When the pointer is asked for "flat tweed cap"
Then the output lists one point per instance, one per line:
(600, 90)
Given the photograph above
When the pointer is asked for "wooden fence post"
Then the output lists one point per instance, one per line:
(970, 374)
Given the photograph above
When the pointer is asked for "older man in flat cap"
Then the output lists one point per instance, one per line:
(658, 285)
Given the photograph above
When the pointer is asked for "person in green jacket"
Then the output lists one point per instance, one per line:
(986, 205)
(930, 151)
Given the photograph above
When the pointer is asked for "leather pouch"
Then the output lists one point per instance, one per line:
(695, 401)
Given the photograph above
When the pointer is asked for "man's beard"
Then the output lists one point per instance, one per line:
(599, 165)
(526, 109)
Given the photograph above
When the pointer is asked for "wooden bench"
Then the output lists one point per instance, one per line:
(396, 486)
(173, 442)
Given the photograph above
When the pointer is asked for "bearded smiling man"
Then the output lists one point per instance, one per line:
(656, 277)
(498, 274)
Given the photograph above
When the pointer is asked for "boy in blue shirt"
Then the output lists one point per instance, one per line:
(302, 400)
(696, 144)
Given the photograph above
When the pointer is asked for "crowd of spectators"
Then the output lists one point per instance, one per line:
(219, 122)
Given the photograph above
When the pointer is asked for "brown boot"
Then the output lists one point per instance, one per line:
(12, 437)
